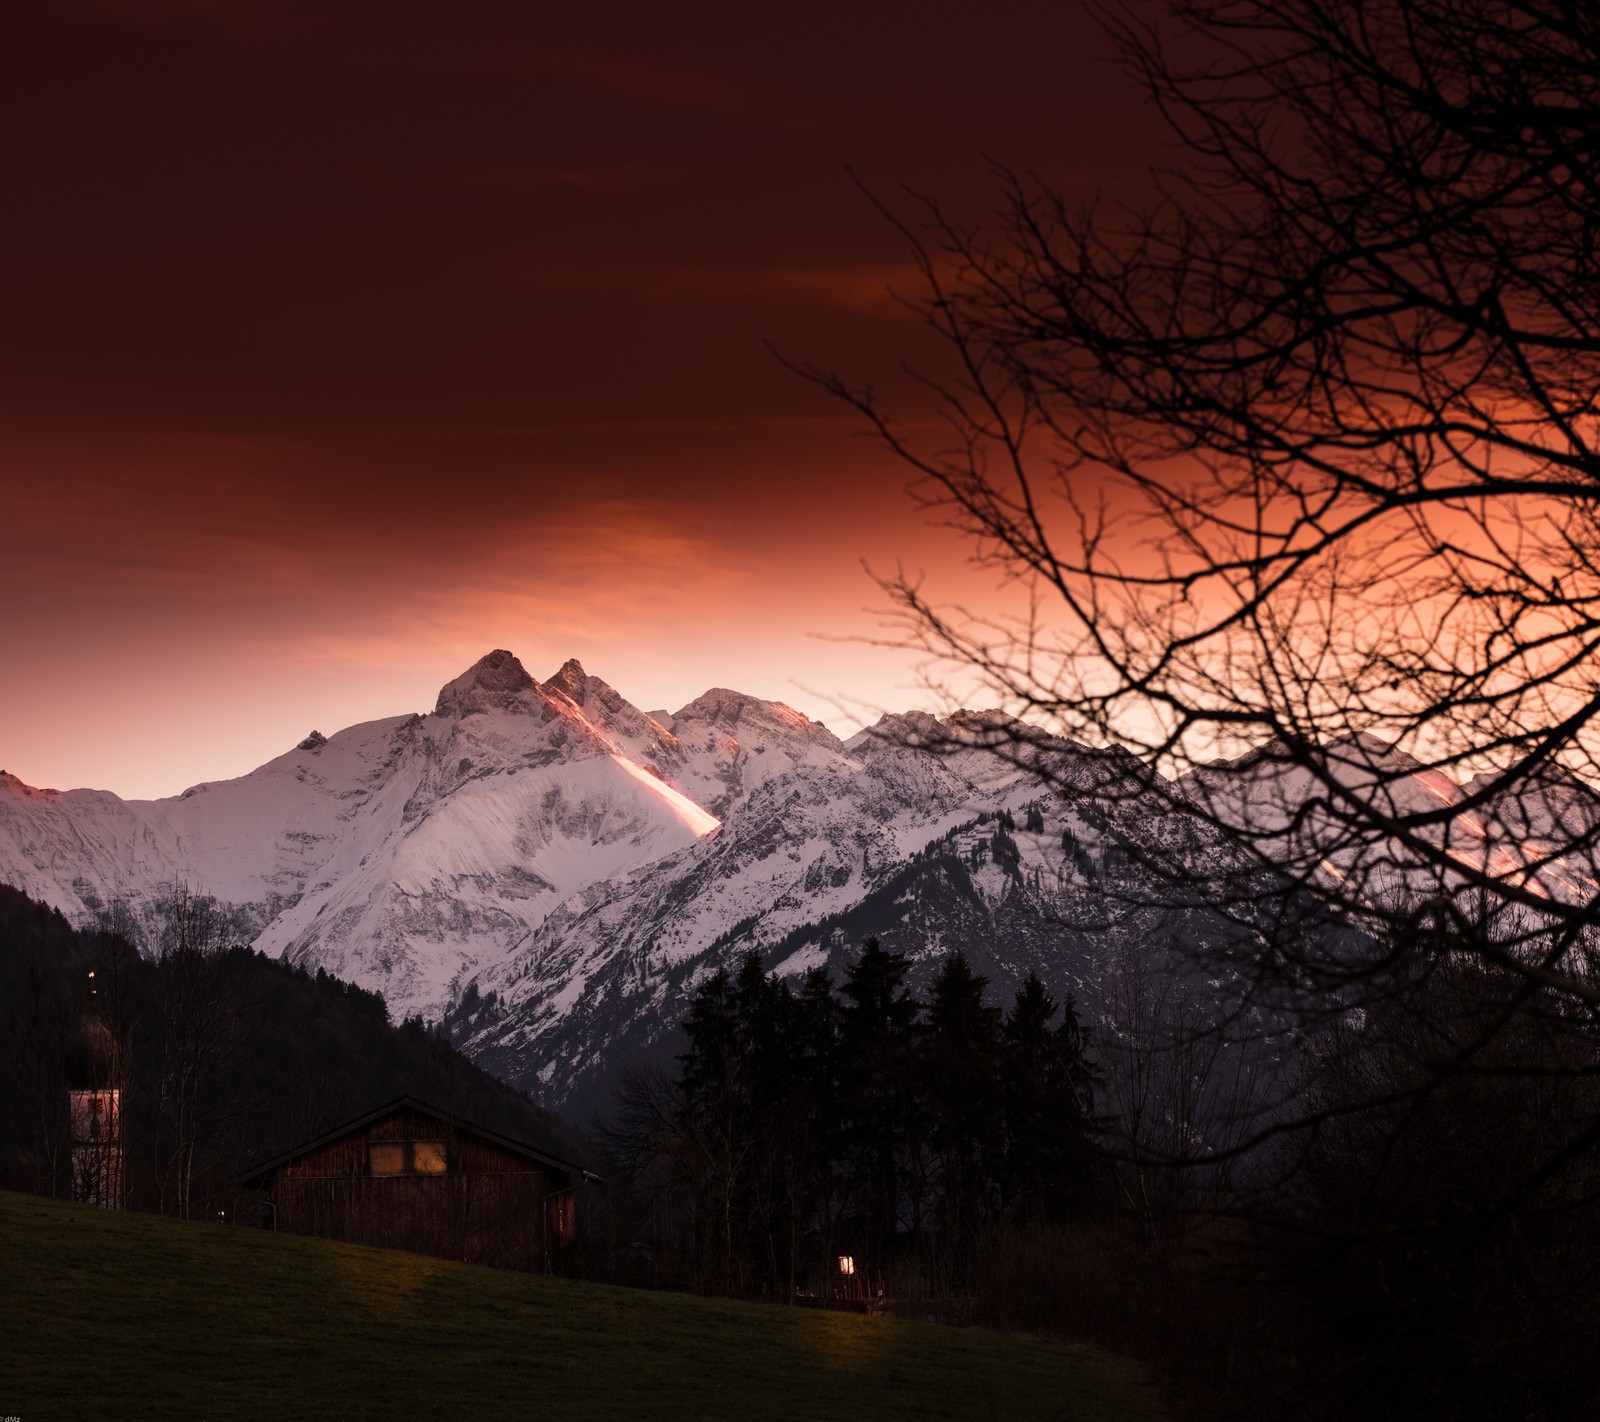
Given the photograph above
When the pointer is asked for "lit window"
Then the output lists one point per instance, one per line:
(387, 1159)
(406, 1157)
(847, 1264)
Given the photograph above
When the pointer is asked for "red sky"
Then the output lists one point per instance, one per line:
(347, 341)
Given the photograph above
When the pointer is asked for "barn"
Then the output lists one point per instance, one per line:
(411, 1176)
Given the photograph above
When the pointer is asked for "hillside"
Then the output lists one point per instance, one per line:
(116, 1315)
(291, 1054)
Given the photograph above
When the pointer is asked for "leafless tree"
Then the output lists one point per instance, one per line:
(1181, 1087)
(1294, 472)
(110, 1032)
(203, 1028)
(1294, 468)
(672, 1220)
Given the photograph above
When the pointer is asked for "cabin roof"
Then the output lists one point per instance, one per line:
(260, 1174)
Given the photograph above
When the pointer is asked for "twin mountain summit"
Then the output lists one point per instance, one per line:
(553, 871)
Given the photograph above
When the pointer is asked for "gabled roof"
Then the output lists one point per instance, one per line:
(260, 1174)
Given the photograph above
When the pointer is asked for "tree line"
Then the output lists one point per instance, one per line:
(823, 1141)
(1353, 1224)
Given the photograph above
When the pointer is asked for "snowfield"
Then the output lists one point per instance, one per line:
(581, 865)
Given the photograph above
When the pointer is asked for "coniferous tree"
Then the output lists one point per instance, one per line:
(714, 1117)
(962, 1106)
(804, 1126)
(809, 1144)
(878, 1031)
(764, 1012)
(1047, 1088)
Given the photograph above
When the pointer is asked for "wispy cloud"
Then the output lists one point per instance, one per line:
(630, 80)
(614, 571)
(881, 288)
(242, 22)
(594, 176)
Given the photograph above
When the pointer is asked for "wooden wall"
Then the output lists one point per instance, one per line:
(491, 1206)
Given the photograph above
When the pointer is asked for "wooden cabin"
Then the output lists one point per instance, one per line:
(410, 1176)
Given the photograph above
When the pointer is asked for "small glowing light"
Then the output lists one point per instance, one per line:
(847, 1264)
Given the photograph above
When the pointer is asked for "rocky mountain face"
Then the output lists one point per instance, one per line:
(552, 872)
(403, 854)
(928, 852)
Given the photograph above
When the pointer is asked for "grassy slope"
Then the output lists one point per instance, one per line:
(131, 1316)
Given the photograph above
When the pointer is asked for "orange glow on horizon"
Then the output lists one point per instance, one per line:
(368, 386)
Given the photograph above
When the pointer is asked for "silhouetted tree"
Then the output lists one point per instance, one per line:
(40, 1027)
(1452, 1280)
(1047, 1088)
(1297, 468)
(315, 1053)
(960, 1057)
(880, 1129)
(1299, 458)
(203, 1028)
(802, 1127)
(808, 1129)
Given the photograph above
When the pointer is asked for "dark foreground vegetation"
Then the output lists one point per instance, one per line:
(855, 1143)
(1293, 462)
(117, 1315)
(1390, 1214)
(223, 1057)
(1394, 1215)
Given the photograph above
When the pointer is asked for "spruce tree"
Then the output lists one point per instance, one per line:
(961, 1050)
(878, 1097)
(1047, 1087)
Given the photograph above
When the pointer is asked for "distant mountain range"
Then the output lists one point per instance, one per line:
(551, 871)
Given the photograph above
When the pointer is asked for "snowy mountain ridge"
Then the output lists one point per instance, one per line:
(552, 871)
(406, 852)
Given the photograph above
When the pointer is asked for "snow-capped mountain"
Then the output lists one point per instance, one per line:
(581, 863)
(1540, 832)
(552, 871)
(403, 853)
(928, 851)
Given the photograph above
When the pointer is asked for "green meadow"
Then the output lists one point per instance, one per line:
(121, 1315)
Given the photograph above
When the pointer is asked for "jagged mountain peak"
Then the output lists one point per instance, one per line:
(917, 729)
(583, 690)
(1277, 770)
(1358, 748)
(609, 712)
(960, 731)
(564, 849)
(729, 742)
(571, 679)
(1365, 749)
(727, 709)
(17, 786)
(495, 681)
